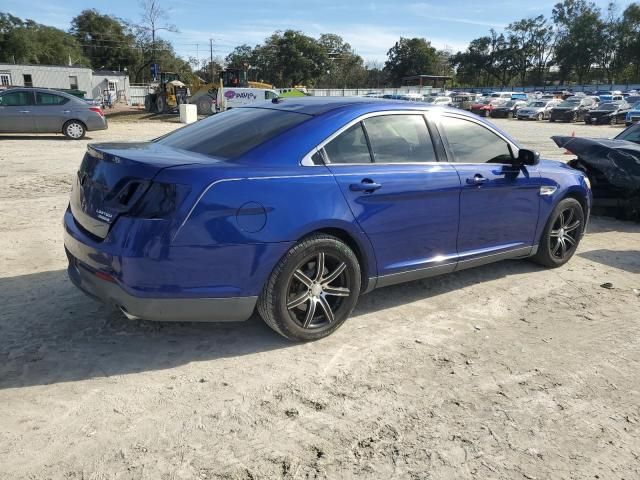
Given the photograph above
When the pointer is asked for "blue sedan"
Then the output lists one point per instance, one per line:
(296, 207)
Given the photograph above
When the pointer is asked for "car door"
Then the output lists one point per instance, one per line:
(404, 200)
(51, 111)
(499, 202)
(16, 112)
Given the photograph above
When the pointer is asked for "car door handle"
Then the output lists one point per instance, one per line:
(24, 111)
(366, 185)
(66, 111)
(477, 179)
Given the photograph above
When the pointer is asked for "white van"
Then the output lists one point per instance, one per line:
(237, 97)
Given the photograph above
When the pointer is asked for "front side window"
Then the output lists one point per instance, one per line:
(16, 99)
(470, 142)
(269, 95)
(399, 139)
(50, 99)
(349, 147)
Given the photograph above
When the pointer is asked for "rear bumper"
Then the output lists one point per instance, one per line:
(96, 123)
(231, 309)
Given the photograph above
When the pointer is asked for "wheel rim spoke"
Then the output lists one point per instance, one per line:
(335, 274)
(563, 247)
(311, 311)
(328, 313)
(301, 277)
(554, 233)
(573, 226)
(337, 291)
(299, 300)
(319, 267)
(556, 247)
(569, 217)
(570, 239)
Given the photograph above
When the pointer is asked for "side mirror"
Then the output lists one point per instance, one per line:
(527, 157)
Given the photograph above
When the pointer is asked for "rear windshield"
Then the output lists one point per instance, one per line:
(234, 132)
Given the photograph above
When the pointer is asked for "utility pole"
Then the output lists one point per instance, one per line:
(211, 58)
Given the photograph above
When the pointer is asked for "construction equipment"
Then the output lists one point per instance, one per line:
(167, 95)
(207, 99)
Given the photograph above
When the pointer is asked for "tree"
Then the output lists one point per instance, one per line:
(579, 27)
(29, 42)
(410, 56)
(290, 58)
(492, 55)
(106, 40)
(240, 56)
(344, 68)
(630, 41)
(152, 21)
(531, 43)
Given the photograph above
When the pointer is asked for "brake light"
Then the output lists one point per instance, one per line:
(160, 200)
(98, 110)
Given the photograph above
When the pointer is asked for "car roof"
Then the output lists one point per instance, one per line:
(40, 89)
(320, 105)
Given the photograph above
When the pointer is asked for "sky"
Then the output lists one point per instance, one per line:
(370, 27)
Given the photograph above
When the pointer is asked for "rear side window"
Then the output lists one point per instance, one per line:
(50, 99)
(349, 147)
(16, 99)
(399, 139)
(233, 133)
(473, 143)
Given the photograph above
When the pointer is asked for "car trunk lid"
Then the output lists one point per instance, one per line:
(113, 177)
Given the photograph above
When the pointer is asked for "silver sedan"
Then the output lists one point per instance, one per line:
(537, 110)
(41, 110)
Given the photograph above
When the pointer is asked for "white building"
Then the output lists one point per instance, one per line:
(116, 82)
(64, 77)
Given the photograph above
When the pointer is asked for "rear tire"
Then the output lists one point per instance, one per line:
(74, 130)
(149, 104)
(303, 302)
(161, 104)
(561, 235)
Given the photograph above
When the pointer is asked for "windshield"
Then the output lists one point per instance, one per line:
(569, 103)
(536, 104)
(234, 132)
(636, 106)
(510, 103)
(631, 134)
(607, 106)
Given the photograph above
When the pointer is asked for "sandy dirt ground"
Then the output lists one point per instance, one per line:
(507, 371)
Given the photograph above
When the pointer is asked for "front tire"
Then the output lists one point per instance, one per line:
(561, 235)
(540, 117)
(74, 130)
(312, 290)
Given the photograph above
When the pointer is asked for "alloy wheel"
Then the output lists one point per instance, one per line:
(317, 290)
(565, 233)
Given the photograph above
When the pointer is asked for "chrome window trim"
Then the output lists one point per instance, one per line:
(308, 162)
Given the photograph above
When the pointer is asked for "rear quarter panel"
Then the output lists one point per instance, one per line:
(264, 207)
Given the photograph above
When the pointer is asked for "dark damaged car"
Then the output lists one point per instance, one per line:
(607, 114)
(573, 109)
(613, 169)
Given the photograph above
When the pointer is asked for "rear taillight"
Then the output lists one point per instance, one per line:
(160, 200)
(98, 110)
